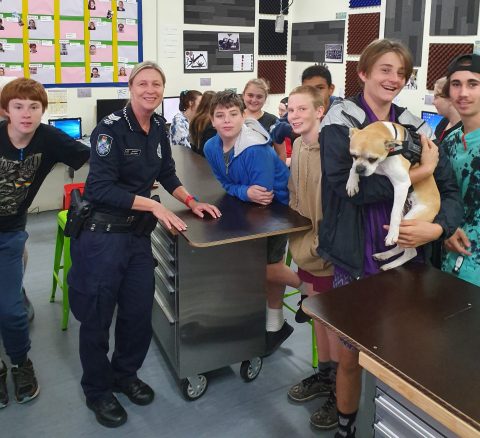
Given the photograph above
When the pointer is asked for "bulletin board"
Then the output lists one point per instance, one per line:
(70, 42)
(219, 12)
(221, 51)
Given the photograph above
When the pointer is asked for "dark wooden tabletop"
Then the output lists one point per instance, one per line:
(422, 323)
(240, 220)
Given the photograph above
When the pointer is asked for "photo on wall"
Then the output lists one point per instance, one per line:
(196, 60)
(412, 81)
(229, 42)
(334, 53)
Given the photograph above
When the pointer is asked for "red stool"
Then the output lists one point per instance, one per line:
(67, 191)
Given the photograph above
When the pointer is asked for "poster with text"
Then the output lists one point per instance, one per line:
(40, 27)
(42, 7)
(101, 73)
(11, 70)
(72, 51)
(127, 30)
(124, 71)
(100, 30)
(100, 52)
(103, 8)
(130, 9)
(41, 51)
(11, 52)
(71, 30)
(9, 27)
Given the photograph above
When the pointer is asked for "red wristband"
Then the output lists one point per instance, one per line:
(188, 199)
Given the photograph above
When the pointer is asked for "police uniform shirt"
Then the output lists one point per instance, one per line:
(125, 161)
(22, 171)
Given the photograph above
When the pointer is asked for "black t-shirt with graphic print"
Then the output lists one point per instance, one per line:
(22, 171)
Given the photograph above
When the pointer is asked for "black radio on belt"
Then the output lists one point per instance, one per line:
(78, 213)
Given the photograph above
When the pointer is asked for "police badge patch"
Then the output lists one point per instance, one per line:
(159, 150)
(104, 144)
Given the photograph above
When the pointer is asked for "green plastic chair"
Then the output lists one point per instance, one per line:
(288, 262)
(62, 253)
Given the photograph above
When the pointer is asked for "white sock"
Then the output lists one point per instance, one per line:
(275, 319)
(303, 288)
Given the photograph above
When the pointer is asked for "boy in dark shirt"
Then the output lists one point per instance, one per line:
(28, 151)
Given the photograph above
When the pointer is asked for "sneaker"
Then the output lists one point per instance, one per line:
(26, 385)
(275, 339)
(3, 385)
(300, 315)
(312, 387)
(326, 417)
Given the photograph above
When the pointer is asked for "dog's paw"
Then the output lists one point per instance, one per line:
(352, 186)
(392, 236)
(380, 256)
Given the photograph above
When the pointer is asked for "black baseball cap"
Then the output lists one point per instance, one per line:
(468, 62)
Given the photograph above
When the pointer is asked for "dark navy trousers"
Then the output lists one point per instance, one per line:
(108, 270)
(13, 315)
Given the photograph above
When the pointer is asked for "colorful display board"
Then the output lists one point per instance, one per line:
(70, 42)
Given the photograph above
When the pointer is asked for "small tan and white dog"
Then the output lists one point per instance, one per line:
(377, 149)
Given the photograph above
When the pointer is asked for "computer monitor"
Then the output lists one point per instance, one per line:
(108, 106)
(432, 118)
(70, 125)
(170, 107)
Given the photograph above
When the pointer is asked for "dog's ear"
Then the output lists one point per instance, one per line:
(353, 131)
(390, 144)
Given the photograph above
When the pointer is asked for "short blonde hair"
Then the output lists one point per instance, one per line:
(320, 98)
(142, 66)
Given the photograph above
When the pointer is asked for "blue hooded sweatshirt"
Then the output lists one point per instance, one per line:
(253, 162)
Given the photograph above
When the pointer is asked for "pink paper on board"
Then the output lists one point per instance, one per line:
(130, 33)
(12, 30)
(101, 9)
(43, 54)
(75, 27)
(72, 75)
(104, 54)
(42, 7)
(13, 73)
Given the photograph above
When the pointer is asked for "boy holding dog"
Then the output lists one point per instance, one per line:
(354, 228)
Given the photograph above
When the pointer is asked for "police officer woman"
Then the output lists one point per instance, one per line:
(112, 257)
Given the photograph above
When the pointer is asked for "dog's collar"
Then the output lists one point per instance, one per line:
(410, 148)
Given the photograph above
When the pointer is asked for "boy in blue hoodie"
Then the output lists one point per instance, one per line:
(248, 168)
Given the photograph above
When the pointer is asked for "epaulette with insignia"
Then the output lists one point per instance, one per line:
(157, 117)
(111, 119)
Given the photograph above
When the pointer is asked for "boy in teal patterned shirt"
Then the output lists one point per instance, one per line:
(463, 148)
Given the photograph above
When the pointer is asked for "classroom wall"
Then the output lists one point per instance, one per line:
(163, 41)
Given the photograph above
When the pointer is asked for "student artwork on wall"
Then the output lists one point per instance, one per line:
(72, 42)
(203, 52)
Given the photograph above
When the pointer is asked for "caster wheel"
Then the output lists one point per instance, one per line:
(250, 369)
(194, 387)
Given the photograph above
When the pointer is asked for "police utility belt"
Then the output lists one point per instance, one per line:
(81, 217)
